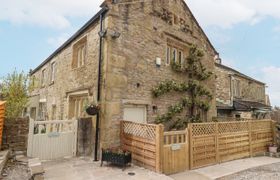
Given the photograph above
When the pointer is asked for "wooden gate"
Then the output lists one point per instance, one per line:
(175, 152)
(48, 140)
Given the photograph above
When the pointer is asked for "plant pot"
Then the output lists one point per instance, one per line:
(116, 158)
(272, 149)
(92, 110)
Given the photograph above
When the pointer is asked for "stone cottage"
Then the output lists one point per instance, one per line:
(240, 96)
(116, 59)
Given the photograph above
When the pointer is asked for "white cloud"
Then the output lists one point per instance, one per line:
(58, 41)
(227, 13)
(56, 13)
(46, 13)
(270, 76)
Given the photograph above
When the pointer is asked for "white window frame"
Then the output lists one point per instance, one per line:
(174, 58)
(168, 55)
(180, 52)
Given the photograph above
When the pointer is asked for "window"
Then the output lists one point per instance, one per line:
(77, 106)
(168, 49)
(180, 58)
(53, 112)
(42, 111)
(53, 71)
(236, 88)
(43, 78)
(174, 55)
(33, 113)
(79, 53)
(135, 113)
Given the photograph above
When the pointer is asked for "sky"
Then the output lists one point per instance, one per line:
(246, 33)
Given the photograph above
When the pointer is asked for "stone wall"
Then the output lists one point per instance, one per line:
(132, 72)
(15, 134)
(129, 69)
(250, 89)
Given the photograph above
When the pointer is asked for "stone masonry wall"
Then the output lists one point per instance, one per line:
(131, 69)
(248, 87)
(15, 134)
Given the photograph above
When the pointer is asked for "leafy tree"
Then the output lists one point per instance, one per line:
(195, 97)
(14, 89)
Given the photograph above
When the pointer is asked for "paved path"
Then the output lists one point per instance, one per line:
(225, 169)
(86, 169)
(267, 172)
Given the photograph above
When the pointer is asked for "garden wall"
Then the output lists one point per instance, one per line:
(15, 134)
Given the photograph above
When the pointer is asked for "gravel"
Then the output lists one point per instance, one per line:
(268, 172)
(15, 171)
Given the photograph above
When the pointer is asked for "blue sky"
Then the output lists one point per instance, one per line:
(246, 33)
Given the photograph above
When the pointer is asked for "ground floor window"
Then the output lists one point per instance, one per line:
(77, 106)
(135, 113)
(42, 111)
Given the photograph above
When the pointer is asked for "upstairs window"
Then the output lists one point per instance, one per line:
(236, 88)
(174, 55)
(79, 53)
(168, 55)
(43, 78)
(180, 58)
(53, 71)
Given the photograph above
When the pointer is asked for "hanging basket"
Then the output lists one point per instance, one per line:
(92, 110)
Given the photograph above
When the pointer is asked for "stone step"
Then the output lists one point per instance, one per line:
(36, 168)
(4, 155)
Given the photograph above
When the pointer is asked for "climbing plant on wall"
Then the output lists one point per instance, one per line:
(195, 99)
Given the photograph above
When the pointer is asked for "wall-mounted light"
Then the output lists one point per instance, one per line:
(158, 62)
(155, 109)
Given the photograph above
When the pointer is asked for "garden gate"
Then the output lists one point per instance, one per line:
(48, 140)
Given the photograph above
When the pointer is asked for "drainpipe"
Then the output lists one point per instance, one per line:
(101, 34)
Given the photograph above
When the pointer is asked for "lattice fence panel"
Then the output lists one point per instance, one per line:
(203, 129)
(233, 127)
(141, 130)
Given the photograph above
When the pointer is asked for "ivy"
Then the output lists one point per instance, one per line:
(198, 96)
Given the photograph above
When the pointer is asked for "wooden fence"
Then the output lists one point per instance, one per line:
(144, 141)
(212, 143)
(2, 114)
(200, 145)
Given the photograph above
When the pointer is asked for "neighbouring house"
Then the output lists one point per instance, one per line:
(240, 96)
(133, 42)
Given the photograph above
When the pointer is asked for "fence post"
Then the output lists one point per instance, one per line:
(121, 133)
(250, 138)
(159, 147)
(217, 142)
(30, 137)
(187, 148)
(190, 146)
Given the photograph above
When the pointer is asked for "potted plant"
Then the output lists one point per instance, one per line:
(116, 156)
(92, 109)
(272, 148)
